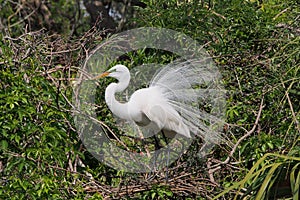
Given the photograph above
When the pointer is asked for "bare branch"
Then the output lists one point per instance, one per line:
(248, 133)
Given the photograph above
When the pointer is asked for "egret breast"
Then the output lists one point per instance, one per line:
(142, 100)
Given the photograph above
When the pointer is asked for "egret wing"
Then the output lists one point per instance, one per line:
(189, 87)
(166, 118)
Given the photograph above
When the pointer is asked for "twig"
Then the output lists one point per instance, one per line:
(247, 134)
(291, 107)
(293, 113)
(238, 80)
(25, 18)
(291, 28)
(218, 14)
(283, 11)
(211, 172)
(214, 168)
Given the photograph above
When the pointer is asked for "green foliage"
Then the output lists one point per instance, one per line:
(254, 43)
(62, 16)
(257, 147)
(157, 192)
(35, 136)
(68, 18)
(260, 181)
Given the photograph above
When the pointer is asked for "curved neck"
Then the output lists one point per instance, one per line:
(117, 108)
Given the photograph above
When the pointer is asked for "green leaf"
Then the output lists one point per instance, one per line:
(20, 166)
(4, 144)
(295, 182)
(270, 144)
(11, 105)
(266, 184)
(153, 195)
(169, 193)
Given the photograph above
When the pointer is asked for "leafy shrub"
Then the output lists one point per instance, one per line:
(254, 43)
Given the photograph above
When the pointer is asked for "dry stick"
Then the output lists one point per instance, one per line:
(177, 186)
(211, 172)
(293, 113)
(239, 83)
(291, 28)
(216, 167)
(247, 134)
(58, 168)
(25, 18)
(218, 14)
(292, 110)
(291, 105)
(283, 11)
(111, 131)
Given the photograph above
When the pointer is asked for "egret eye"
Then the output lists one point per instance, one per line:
(112, 70)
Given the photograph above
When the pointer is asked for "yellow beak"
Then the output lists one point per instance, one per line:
(101, 75)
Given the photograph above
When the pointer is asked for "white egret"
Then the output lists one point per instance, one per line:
(171, 101)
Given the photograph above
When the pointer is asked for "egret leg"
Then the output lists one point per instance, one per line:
(157, 147)
(168, 155)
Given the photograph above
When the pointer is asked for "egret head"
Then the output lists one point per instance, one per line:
(117, 72)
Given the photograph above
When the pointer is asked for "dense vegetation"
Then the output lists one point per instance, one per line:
(255, 44)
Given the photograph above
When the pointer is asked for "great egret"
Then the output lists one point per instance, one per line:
(170, 101)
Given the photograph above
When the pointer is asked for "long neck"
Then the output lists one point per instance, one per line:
(117, 108)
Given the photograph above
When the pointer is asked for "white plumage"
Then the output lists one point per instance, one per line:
(171, 101)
